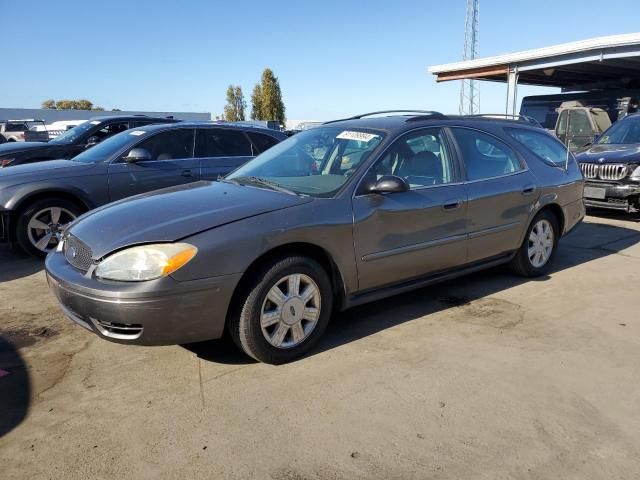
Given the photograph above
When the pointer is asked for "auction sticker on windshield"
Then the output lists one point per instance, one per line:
(95, 122)
(137, 133)
(359, 136)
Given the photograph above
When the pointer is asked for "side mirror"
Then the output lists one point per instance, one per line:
(137, 155)
(390, 184)
(91, 141)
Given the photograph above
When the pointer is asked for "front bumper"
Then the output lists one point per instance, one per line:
(158, 312)
(617, 196)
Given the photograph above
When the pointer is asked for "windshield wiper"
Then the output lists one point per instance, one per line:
(262, 181)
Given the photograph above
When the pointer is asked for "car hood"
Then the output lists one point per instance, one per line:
(28, 172)
(174, 213)
(610, 154)
(15, 147)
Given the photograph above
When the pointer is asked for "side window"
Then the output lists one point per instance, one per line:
(562, 124)
(420, 157)
(541, 144)
(174, 144)
(485, 156)
(262, 141)
(579, 123)
(111, 129)
(217, 142)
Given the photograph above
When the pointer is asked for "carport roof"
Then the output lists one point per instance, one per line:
(602, 62)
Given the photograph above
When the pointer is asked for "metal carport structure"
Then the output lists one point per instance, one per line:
(597, 63)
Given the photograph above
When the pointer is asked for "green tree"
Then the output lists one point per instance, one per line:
(70, 105)
(234, 109)
(271, 97)
(256, 103)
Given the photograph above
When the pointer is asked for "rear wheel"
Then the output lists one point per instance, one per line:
(536, 253)
(41, 224)
(284, 311)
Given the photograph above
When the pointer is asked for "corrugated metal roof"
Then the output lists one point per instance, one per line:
(608, 42)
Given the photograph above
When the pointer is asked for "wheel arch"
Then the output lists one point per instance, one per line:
(28, 199)
(310, 250)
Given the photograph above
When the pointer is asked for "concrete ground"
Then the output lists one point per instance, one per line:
(486, 377)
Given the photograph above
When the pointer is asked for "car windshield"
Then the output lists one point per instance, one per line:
(316, 162)
(624, 131)
(74, 133)
(107, 148)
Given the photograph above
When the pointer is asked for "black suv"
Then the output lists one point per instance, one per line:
(73, 141)
(38, 200)
(611, 167)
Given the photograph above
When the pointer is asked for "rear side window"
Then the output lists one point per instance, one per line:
(485, 156)
(262, 141)
(217, 142)
(542, 145)
(16, 127)
(171, 145)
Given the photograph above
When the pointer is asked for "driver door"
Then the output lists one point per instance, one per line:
(171, 163)
(402, 236)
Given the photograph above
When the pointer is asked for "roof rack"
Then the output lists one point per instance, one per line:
(423, 113)
(505, 116)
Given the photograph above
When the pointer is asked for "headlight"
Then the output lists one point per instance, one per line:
(635, 175)
(146, 262)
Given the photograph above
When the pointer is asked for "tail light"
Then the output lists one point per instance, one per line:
(5, 161)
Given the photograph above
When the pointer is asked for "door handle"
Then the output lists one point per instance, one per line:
(528, 189)
(452, 204)
(186, 173)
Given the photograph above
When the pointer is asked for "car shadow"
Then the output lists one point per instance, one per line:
(614, 214)
(15, 387)
(16, 264)
(588, 242)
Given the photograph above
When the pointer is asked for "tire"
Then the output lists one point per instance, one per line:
(295, 314)
(28, 236)
(526, 266)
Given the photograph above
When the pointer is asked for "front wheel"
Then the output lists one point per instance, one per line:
(536, 253)
(284, 311)
(41, 224)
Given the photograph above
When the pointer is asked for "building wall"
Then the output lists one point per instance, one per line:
(54, 115)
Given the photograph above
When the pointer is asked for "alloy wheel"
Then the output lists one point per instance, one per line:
(46, 227)
(290, 311)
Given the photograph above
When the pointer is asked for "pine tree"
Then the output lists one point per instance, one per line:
(256, 103)
(266, 99)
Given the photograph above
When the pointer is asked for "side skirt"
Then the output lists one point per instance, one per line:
(396, 289)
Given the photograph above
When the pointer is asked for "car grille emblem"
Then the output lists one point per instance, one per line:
(601, 160)
(72, 252)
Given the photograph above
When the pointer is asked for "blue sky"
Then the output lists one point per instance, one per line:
(333, 58)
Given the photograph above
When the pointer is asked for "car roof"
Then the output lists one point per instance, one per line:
(399, 123)
(210, 124)
(103, 118)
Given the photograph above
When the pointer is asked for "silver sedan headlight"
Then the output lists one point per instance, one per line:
(145, 262)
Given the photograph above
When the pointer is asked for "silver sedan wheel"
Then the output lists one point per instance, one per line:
(540, 243)
(46, 227)
(290, 311)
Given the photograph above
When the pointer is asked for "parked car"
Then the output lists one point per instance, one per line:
(38, 200)
(387, 205)
(578, 126)
(54, 129)
(611, 167)
(22, 130)
(72, 142)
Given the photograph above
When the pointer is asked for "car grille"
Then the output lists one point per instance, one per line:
(77, 253)
(604, 172)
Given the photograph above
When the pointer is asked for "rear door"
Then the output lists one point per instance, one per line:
(501, 193)
(171, 163)
(221, 150)
(401, 236)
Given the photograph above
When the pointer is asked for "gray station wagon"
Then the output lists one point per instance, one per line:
(345, 213)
